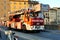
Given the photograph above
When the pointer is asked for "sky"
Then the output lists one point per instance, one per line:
(52, 3)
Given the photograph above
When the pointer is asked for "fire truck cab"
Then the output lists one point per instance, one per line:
(33, 20)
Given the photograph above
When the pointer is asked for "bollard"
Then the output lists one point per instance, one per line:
(3, 35)
(10, 34)
(7, 35)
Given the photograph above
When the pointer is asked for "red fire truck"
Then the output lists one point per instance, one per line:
(28, 20)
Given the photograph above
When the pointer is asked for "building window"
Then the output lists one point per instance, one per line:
(30, 5)
(10, 2)
(4, 1)
(52, 11)
(20, 3)
(24, 2)
(14, 7)
(46, 14)
(14, 2)
(5, 7)
(1, 9)
(1, 3)
(4, 15)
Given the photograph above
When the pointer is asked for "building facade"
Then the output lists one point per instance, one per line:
(4, 8)
(52, 16)
(7, 6)
(46, 18)
(18, 5)
(58, 15)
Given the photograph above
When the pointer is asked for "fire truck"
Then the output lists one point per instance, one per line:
(27, 20)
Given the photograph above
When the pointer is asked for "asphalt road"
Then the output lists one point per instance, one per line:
(49, 35)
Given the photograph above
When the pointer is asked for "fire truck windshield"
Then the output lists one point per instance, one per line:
(38, 15)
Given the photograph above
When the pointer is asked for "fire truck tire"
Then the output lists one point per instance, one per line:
(9, 27)
(23, 27)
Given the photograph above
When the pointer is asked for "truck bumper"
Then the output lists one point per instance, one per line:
(37, 27)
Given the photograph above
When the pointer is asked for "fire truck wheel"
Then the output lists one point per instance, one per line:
(9, 27)
(23, 27)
